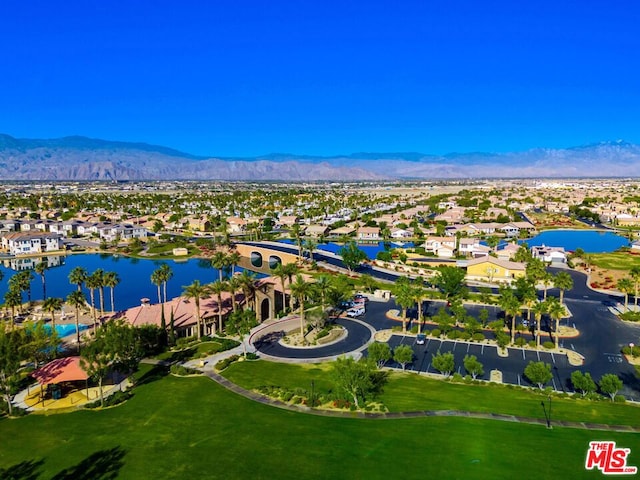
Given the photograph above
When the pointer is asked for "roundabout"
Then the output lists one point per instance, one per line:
(268, 341)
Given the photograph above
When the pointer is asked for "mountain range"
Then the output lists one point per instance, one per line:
(82, 158)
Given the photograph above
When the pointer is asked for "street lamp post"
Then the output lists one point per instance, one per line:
(549, 419)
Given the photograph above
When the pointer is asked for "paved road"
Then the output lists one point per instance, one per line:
(357, 336)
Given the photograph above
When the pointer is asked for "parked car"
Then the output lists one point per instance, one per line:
(355, 312)
(345, 305)
(360, 298)
(420, 338)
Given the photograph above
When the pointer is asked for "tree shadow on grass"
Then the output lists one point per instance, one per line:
(101, 465)
(155, 373)
(27, 470)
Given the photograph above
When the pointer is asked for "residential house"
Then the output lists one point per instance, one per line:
(440, 246)
(25, 243)
(508, 251)
(490, 269)
(121, 232)
(368, 233)
(549, 254)
(316, 230)
(236, 225)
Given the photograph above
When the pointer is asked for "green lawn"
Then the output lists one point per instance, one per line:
(187, 428)
(407, 392)
(615, 260)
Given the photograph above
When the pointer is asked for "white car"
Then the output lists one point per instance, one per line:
(355, 312)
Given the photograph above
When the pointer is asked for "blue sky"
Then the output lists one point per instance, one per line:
(234, 78)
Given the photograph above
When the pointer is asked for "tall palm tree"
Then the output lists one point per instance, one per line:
(166, 275)
(247, 282)
(78, 276)
(233, 284)
(625, 285)
(13, 299)
(547, 281)
(93, 283)
(77, 301)
(511, 306)
(40, 269)
(111, 280)
(219, 261)
(556, 311)
(300, 289)
(404, 298)
(323, 285)
(99, 281)
(290, 270)
(563, 281)
(280, 272)
(196, 291)
(539, 309)
(156, 279)
(635, 276)
(310, 245)
(218, 288)
(233, 259)
(296, 232)
(51, 305)
(419, 293)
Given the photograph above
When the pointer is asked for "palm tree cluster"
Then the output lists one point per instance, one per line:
(97, 280)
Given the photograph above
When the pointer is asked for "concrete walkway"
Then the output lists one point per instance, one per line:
(257, 397)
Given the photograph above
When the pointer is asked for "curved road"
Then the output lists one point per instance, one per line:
(357, 336)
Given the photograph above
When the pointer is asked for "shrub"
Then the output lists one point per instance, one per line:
(532, 343)
(224, 363)
(634, 352)
(182, 370)
(464, 335)
(252, 356)
(435, 332)
(520, 342)
(115, 398)
(396, 328)
(453, 334)
(619, 399)
(286, 396)
(456, 377)
(414, 329)
(478, 337)
(502, 339)
(549, 345)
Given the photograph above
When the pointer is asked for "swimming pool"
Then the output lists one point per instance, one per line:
(67, 329)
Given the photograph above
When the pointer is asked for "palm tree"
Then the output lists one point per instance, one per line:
(556, 311)
(166, 274)
(111, 280)
(635, 276)
(50, 305)
(511, 306)
(93, 282)
(297, 234)
(156, 279)
(547, 280)
(310, 245)
(625, 285)
(233, 284)
(290, 270)
(323, 286)
(247, 281)
(219, 261)
(280, 272)
(300, 289)
(538, 310)
(99, 281)
(21, 282)
(418, 296)
(233, 259)
(13, 299)
(76, 300)
(196, 291)
(563, 281)
(218, 288)
(404, 297)
(40, 269)
(78, 276)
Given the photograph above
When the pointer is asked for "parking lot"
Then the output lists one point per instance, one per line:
(512, 368)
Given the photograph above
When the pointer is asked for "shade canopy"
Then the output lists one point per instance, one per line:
(66, 369)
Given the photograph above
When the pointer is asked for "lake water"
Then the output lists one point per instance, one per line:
(589, 240)
(370, 249)
(134, 276)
